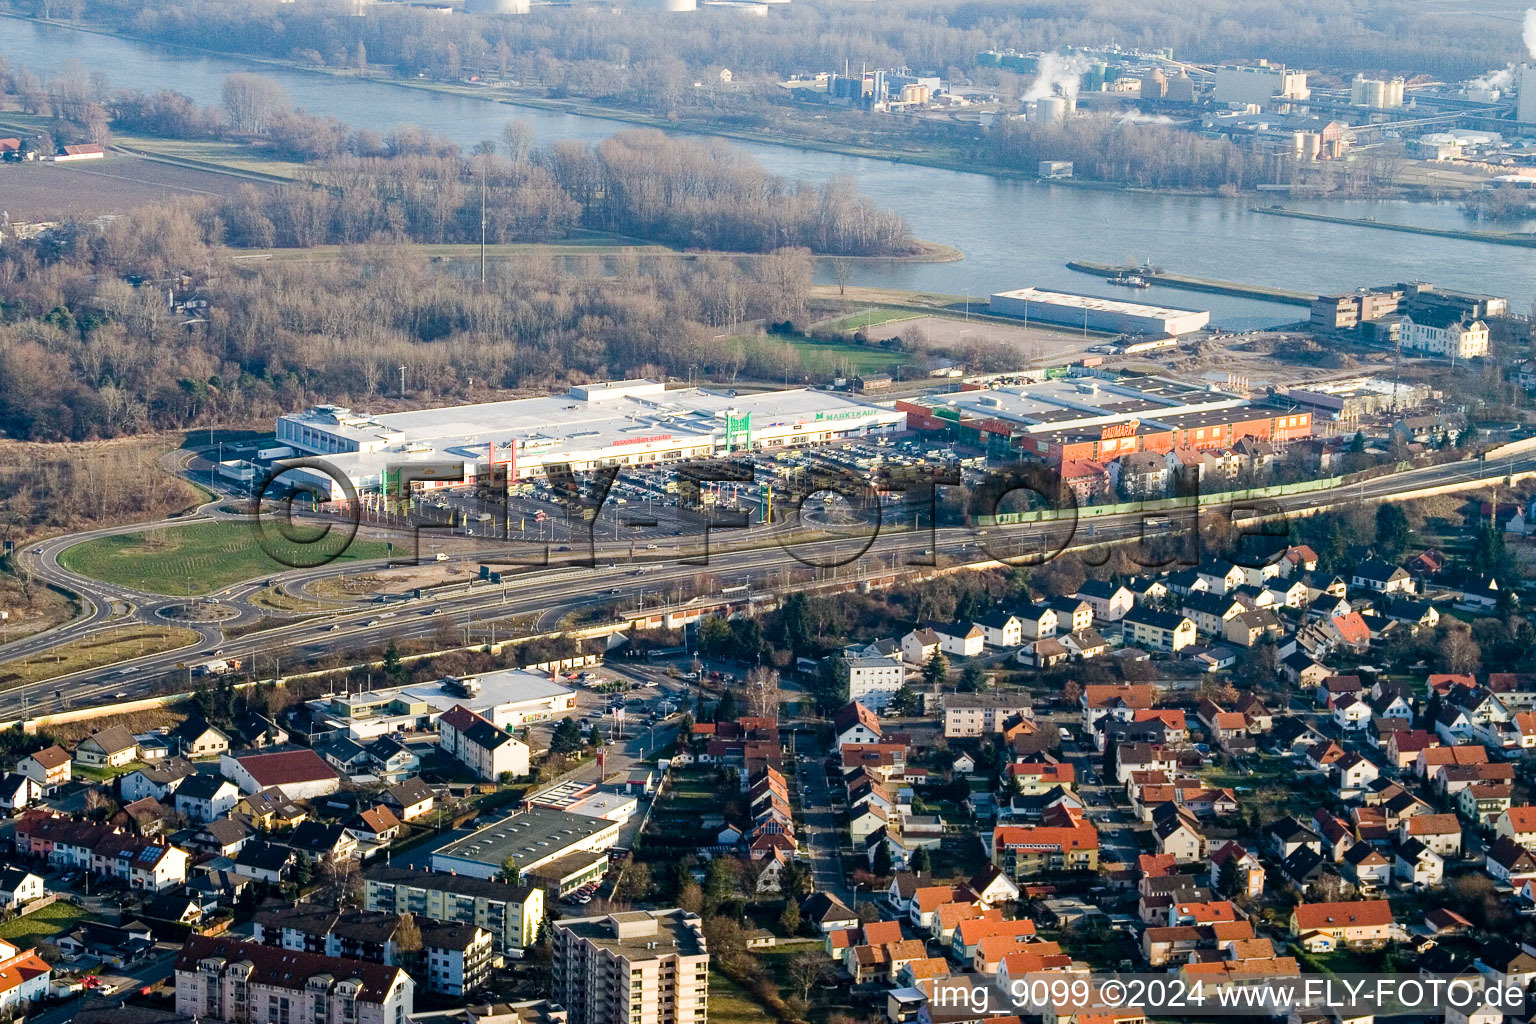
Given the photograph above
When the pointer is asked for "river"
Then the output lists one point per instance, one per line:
(1013, 233)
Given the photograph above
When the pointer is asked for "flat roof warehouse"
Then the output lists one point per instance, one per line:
(1095, 313)
(615, 423)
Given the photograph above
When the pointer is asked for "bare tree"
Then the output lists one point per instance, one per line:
(761, 692)
(253, 102)
(807, 970)
(842, 272)
(518, 136)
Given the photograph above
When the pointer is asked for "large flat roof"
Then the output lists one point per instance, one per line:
(591, 420)
(641, 934)
(1095, 302)
(533, 834)
(1089, 400)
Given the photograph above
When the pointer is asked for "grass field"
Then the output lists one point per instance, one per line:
(729, 1003)
(201, 558)
(43, 925)
(219, 153)
(105, 648)
(872, 317)
(843, 358)
(105, 772)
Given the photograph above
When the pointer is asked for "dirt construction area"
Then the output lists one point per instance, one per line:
(1033, 343)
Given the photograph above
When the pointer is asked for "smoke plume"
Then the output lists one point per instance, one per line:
(1059, 76)
(1528, 31)
(1500, 80)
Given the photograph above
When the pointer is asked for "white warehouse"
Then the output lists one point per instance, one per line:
(618, 423)
(1096, 314)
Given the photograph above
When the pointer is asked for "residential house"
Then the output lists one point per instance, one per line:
(206, 797)
(961, 639)
(1517, 823)
(377, 825)
(327, 844)
(50, 767)
(1355, 923)
(18, 886)
(302, 774)
(1177, 834)
(111, 747)
(1364, 865)
(1249, 869)
(919, 646)
(480, 745)
(875, 672)
(982, 714)
(1415, 866)
(1440, 832)
(1158, 631)
(1139, 476)
(1109, 601)
(1072, 614)
(157, 780)
(409, 799)
(1382, 577)
(195, 738)
(1117, 701)
(18, 792)
(1068, 843)
(1001, 629)
(1509, 864)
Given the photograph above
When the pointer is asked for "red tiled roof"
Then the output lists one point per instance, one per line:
(51, 757)
(1081, 837)
(21, 969)
(286, 767)
(1357, 914)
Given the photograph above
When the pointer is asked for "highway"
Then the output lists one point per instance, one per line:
(549, 593)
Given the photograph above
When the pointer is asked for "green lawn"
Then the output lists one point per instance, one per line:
(105, 773)
(203, 557)
(729, 1003)
(873, 317)
(843, 358)
(43, 925)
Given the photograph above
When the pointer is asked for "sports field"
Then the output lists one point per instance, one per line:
(203, 557)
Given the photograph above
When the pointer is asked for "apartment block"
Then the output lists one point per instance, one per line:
(640, 967)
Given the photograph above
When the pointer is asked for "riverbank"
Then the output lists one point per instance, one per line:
(1524, 241)
(581, 242)
(1184, 282)
(535, 100)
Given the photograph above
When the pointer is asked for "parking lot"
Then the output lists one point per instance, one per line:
(648, 506)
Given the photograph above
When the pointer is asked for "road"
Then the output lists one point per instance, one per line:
(823, 837)
(148, 973)
(548, 593)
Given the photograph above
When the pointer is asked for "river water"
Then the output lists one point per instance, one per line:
(1013, 233)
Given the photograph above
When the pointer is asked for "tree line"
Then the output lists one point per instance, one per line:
(413, 185)
(651, 59)
(90, 347)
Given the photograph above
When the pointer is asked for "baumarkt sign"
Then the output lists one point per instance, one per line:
(738, 431)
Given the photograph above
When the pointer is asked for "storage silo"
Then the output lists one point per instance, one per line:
(1525, 107)
(1051, 109)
